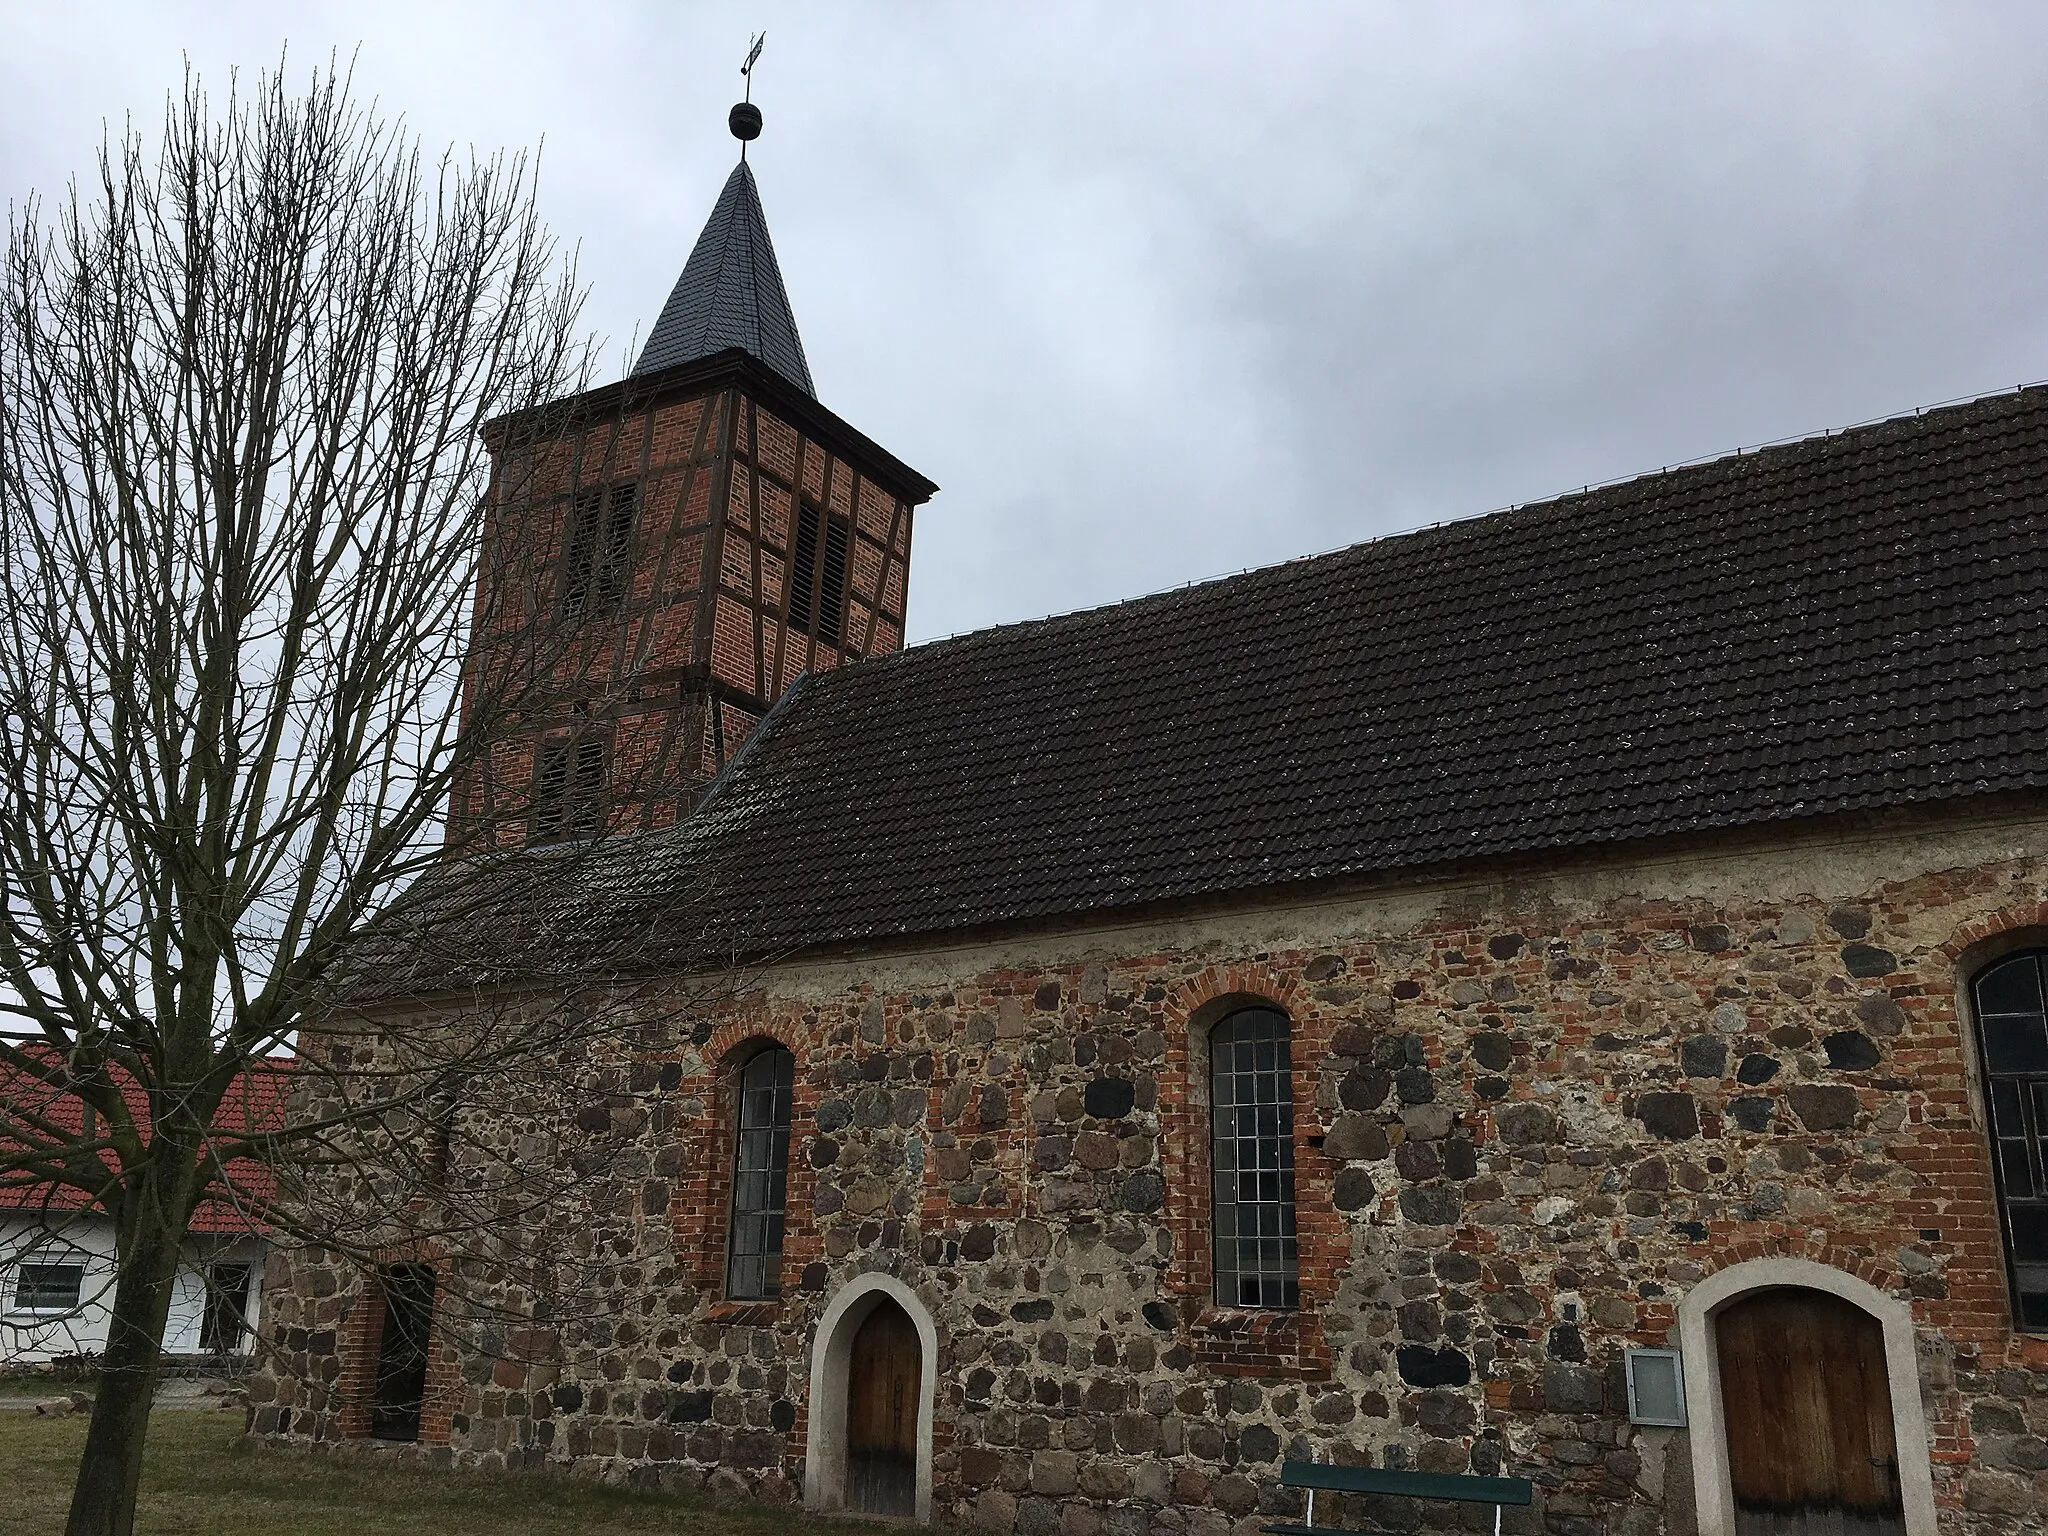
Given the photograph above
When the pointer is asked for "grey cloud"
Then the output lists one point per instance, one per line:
(1160, 292)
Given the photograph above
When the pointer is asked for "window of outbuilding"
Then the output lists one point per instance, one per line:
(2011, 1004)
(760, 1176)
(1251, 1153)
(48, 1287)
(225, 1321)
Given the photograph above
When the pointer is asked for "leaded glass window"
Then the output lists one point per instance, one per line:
(2012, 1038)
(1251, 1157)
(760, 1176)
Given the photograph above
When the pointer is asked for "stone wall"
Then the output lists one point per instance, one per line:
(1530, 1115)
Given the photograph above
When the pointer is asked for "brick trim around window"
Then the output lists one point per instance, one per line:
(1242, 1341)
(702, 1201)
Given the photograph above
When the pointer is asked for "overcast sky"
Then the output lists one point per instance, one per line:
(1160, 291)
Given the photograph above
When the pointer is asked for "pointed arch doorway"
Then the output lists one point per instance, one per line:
(873, 1372)
(881, 1414)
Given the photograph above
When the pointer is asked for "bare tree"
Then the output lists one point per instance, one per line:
(246, 662)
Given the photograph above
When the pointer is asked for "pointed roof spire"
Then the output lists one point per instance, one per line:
(730, 293)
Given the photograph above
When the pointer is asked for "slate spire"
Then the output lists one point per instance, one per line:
(730, 293)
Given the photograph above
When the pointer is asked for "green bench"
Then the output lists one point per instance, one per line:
(1314, 1475)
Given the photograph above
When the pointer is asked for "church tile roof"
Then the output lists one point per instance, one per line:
(1849, 623)
(1841, 624)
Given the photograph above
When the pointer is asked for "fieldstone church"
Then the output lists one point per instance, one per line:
(1558, 993)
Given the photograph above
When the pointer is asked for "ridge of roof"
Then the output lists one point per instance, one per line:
(730, 294)
(735, 764)
(1473, 523)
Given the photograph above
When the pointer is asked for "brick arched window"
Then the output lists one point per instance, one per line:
(1251, 1159)
(760, 1176)
(2010, 998)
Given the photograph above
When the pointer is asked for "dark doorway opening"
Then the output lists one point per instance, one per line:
(227, 1309)
(408, 1291)
(1808, 1409)
(885, 1378)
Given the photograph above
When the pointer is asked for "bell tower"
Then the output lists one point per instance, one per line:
(704, 531)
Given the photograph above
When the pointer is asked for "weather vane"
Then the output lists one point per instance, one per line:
(745, 119)
(753, 54)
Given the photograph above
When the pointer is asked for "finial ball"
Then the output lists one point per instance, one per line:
(745, 121)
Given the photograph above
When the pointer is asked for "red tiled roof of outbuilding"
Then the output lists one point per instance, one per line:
(255, 1101)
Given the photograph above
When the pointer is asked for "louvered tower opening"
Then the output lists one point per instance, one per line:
(817, 593)
(597, 556)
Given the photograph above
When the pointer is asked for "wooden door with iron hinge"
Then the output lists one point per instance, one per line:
(885, 1378)
(1808, 1408)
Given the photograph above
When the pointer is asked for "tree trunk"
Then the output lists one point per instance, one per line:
(110, 1471)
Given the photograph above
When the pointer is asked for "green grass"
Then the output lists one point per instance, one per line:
(39, 1387)
(199, 1481)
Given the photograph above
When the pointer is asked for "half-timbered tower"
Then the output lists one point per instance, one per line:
(709, 527)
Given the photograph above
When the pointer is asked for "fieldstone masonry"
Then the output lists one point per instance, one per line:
(1530, 1115)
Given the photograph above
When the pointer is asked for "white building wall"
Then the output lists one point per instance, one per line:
(29, 1337)
(88, 1241)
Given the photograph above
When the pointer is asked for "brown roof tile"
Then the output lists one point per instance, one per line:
(1844, 623)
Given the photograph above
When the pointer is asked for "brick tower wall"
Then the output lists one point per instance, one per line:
(677, 674)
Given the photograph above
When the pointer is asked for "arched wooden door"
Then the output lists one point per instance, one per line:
(1808, 1410)
(883, 1382)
